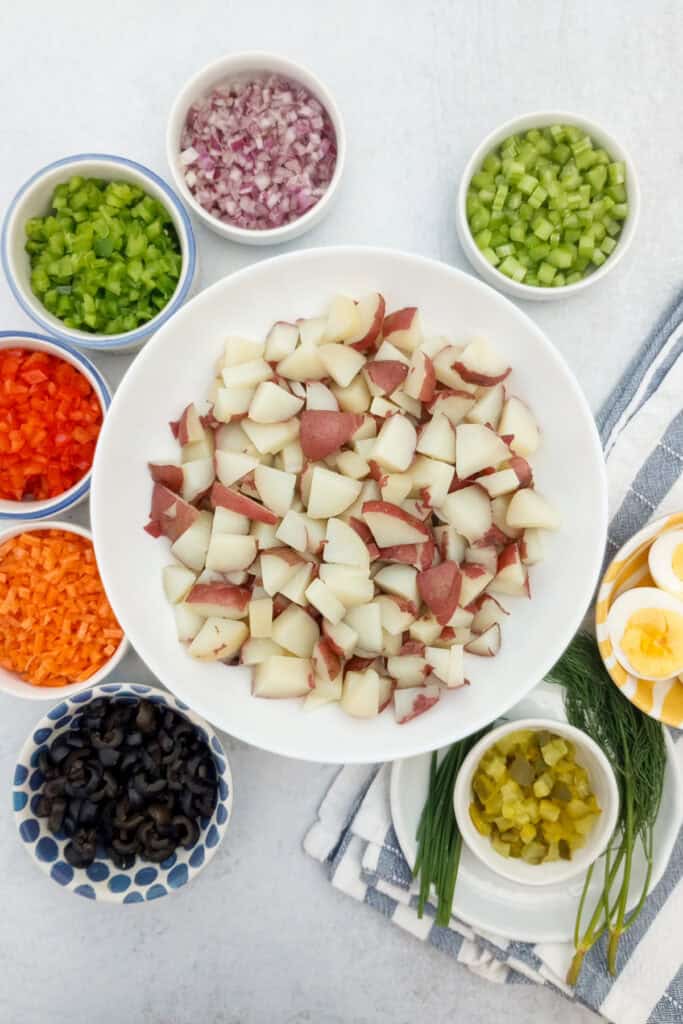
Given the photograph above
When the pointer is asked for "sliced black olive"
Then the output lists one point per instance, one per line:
(123, 861)
(59, 751)
(188, 831)
(131, 778)
(129, 760)
(111, 739)
(145, 719)
(159, 813)
(57, 812)
(108, 756)
(82, 849)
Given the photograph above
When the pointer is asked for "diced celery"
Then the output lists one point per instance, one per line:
(546, 273)
(545, 207)
(538, 197)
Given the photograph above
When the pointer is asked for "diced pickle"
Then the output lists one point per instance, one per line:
(532, 799)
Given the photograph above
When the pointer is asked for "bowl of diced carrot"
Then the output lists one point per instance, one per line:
(58, 634)
(52, 403)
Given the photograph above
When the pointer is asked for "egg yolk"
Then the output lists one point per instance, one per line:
(677, 561)
(653, 642)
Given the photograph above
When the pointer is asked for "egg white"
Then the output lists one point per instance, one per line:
(660, 562)
(637, 599)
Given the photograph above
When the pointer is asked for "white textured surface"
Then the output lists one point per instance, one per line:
(261, 936)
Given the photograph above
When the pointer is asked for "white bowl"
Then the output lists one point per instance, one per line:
(10, 682)
(239, 65)
(522, 124)
(603, 783)
(28, 511)
(33, 200)
(182, 355)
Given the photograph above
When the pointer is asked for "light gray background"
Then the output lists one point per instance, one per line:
(261, 937)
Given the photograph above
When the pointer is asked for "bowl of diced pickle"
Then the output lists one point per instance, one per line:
(536, 800)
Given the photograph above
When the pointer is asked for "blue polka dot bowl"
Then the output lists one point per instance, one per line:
(102, 880)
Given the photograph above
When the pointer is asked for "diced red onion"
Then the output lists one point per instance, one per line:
(258, 153)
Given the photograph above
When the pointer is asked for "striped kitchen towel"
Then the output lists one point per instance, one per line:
(641, 426)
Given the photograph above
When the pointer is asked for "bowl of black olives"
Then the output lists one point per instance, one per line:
(122, 793)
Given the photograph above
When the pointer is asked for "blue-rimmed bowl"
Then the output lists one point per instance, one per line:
(103, 881)
(30, 511)
(10, 682)
(33, 200)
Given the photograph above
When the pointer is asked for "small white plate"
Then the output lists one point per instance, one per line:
(526, 913)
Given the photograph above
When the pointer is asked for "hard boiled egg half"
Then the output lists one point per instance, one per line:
(665, 560)
(645, 628)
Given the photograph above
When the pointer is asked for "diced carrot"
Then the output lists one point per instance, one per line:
(56, 625)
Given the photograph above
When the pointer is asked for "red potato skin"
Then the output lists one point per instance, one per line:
(387, 508)
(363, 532)
(377, 473)
(447, 393)
(420, 705)
(492, 638)
(400, 320)
(370, 342)
(523, 470)
(166, 474)
(223, 497)
(387, 702)
(153, 529)
(473, 570)
(473, 377)
(280, 603)
(420, 556)
(323, 431)
(165, 502)
(403, 604)
(288, 555)
(357, 664)
(175, 427)
(387, 374)
(335, 647)
(413, 647)
(494, 537)
(509, 556)
(428, 388)
(439, 587)
(224, 594)
(209, 421)
(184, 436)
(479, 602)
(329, 659)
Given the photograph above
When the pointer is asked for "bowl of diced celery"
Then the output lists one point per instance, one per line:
(536, 801)
(99, 251)
(547, 206)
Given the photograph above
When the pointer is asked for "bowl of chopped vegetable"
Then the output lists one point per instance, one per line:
(58, 634)
(548, 205)
(536, 800)
(52, 405)
(122, 794)
(256, 147)
(98, 250)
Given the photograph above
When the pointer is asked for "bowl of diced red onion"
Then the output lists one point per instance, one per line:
(256, 147)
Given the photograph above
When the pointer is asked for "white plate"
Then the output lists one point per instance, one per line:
(491, 903)
(176, 367)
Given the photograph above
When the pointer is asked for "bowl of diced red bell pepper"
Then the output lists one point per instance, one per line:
(53, 400)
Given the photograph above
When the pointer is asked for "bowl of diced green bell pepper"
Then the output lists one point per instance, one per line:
(99, 251)
(548, 205)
